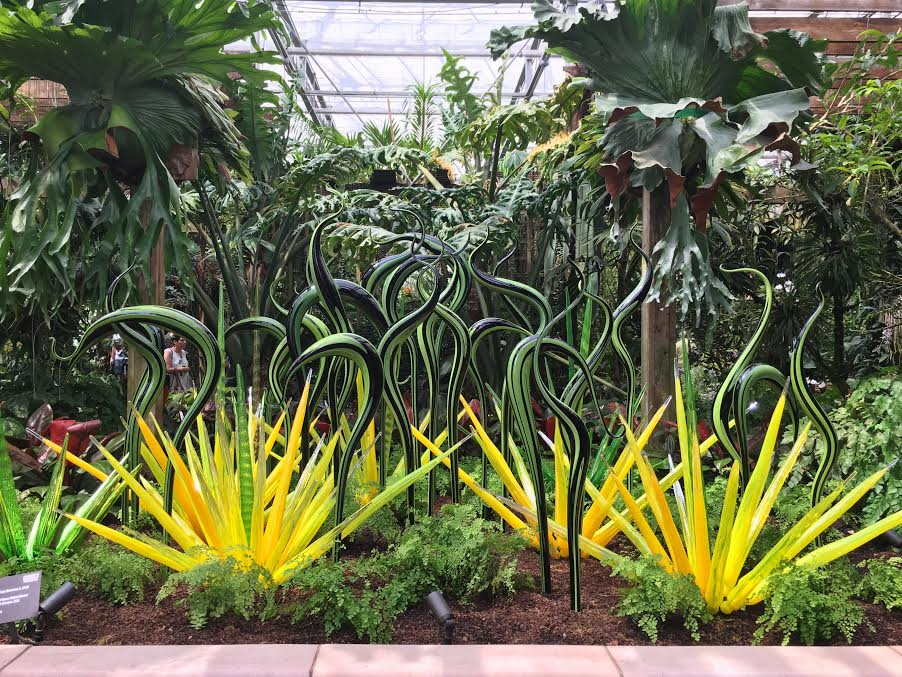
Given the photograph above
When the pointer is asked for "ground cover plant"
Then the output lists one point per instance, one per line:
(815, 603)
(455, 551)
(882, 582)
(868, 426)
(657, 595)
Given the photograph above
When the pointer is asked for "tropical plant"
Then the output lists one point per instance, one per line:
(86, 392)
(461, 107)
(454, 551)
(737, 95)
(882, 582)
(656, 595)
(221, 586)
(846, 240)
(344, 595)
(145, 106)
(422, 114)
(48, 531)
(229, 502)
(111, 572)
(460, 554)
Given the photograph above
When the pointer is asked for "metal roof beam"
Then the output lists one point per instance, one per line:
(357, 112)
(532, 71)
(528, 72)
(431, 2)
(287, 52)
(325, 51)
(378, 94)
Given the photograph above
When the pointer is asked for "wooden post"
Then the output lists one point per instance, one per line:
(151, 291)
(658, 322)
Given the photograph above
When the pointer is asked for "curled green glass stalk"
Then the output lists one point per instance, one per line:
(812, 408)
(724, 398)
(365, 358)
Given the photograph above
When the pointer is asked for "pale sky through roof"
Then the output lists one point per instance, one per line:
(355, 44)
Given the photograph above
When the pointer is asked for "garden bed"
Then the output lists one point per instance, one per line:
(526, 618)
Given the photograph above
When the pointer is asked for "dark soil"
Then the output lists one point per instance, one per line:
(527, 618)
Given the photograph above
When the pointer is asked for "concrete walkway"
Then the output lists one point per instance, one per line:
(335, 660)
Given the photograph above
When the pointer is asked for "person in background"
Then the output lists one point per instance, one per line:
(177, 366)
(119, 358)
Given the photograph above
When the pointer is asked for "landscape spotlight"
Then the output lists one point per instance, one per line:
(51, 606)
(441, 612)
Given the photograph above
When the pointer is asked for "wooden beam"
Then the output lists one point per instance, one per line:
(842, 48)
(834, 29)
(821, 5)
(875, 73)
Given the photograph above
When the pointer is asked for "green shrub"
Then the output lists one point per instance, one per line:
(869, 427)
(100, 567)
(222, 586)
(882, 582)
(460, 554)
(112, 572)
(815, 604)
(383, 526)
(29, 507)
(456, 552)
(343, 598)
(791, 505)
(657, 595)
(85, 392)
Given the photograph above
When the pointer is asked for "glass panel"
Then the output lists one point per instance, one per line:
(373, 52)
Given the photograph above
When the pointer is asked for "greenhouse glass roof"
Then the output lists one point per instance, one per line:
(358, 59)
(361, 58)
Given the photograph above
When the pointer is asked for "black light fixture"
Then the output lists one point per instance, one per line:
(33, 631)
(51, 606)
(441, 612)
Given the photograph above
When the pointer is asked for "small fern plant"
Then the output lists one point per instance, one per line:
(657, 596)
(813, 604)
(882, 582)
(221, 586)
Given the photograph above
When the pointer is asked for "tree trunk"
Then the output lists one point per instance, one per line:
(658, 322)
(151, 291)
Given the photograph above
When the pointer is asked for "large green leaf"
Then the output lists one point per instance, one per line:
(144, 83)
(655, 50)
(668, 51)
(684, 267)
(777, 108)
(103, 45)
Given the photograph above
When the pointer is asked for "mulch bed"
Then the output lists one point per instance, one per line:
(527, 618)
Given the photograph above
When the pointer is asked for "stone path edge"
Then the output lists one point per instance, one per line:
(340, 660)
